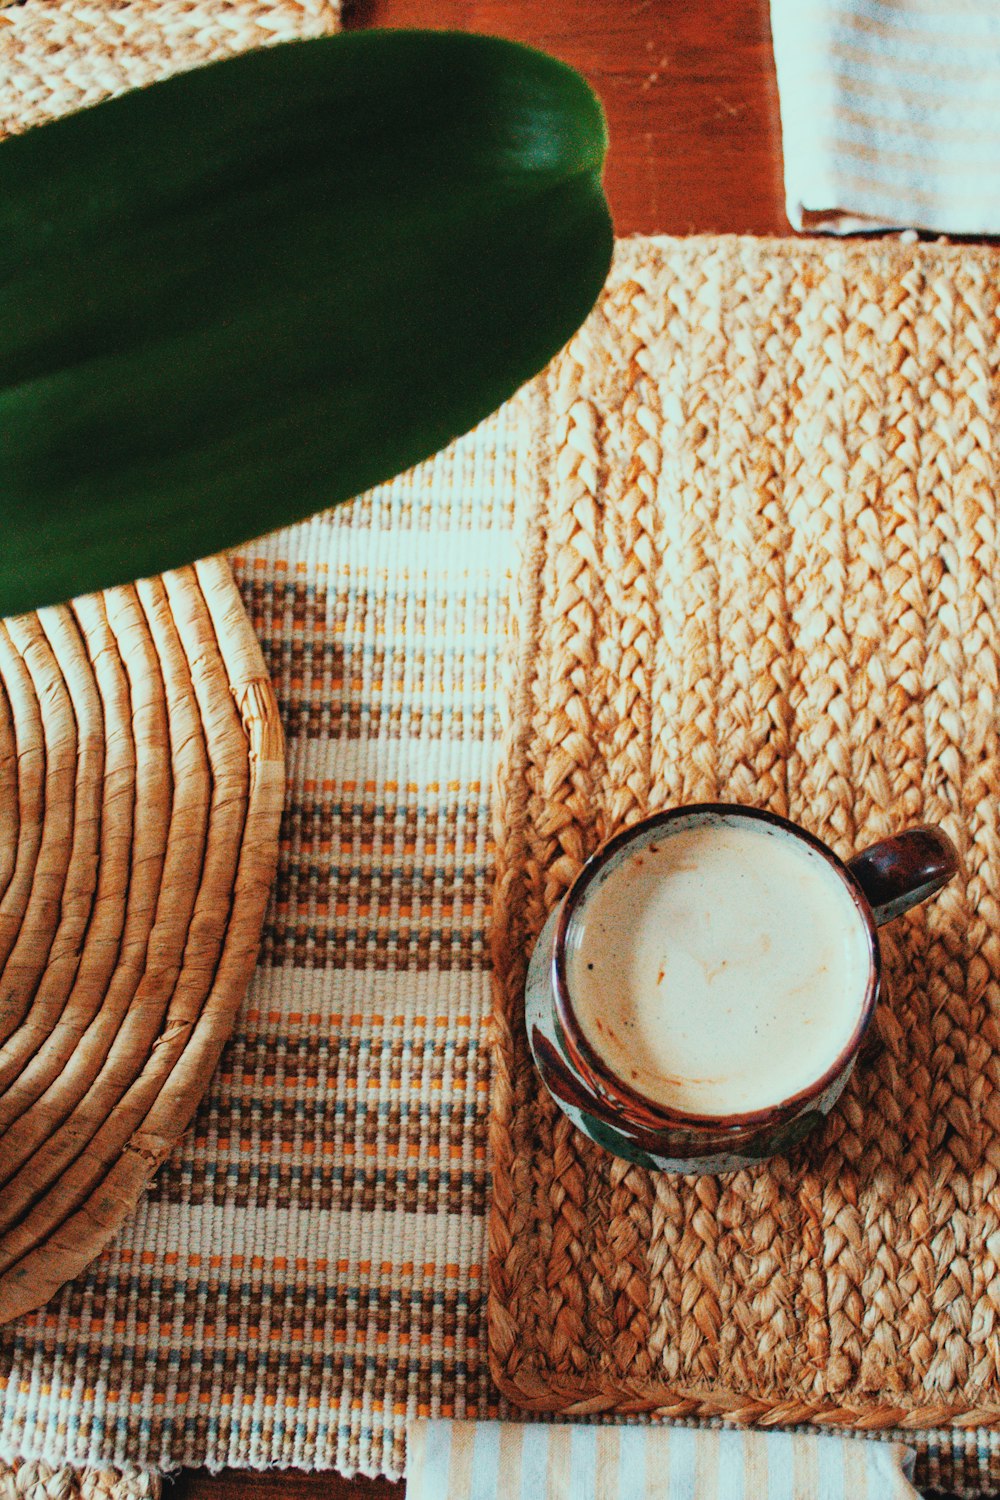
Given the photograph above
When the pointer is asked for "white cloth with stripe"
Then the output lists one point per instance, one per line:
(563, 1461)
(890, 113)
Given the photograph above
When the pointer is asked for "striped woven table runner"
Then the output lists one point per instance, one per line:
(308, 1269)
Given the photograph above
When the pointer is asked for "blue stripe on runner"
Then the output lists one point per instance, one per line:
(831, 1472)
(633, 1475)
(534, 1462)
(486, 1462)
(583, 1464)
(682, 1460)
(732, 1466)
(780, 1468)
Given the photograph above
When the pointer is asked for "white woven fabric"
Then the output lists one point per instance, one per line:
(890, 113)
(517, 1461)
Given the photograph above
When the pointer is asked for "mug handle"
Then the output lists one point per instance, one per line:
(900, 872)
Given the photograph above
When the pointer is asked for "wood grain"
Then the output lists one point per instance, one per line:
(692, 105)
(689, 90)
(278, 1484)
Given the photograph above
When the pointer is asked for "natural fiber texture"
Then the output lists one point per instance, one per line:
(308, 1268)
(59, 55)
(141, 773)
(760, 564)
(31, 1481)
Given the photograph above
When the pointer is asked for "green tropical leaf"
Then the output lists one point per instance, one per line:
(253, 290)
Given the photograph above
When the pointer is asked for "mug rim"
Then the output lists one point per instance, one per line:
(614, 1092)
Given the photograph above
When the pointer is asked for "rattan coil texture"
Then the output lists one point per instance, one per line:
(141, 784)
(759, 543)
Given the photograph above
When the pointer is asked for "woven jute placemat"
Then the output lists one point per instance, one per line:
(759, 543)
(141, 785)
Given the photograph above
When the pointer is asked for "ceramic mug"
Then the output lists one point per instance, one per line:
(883, 881)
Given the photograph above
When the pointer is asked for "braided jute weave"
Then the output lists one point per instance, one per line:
(759, 542)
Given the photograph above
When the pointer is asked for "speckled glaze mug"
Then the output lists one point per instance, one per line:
(606, 1099)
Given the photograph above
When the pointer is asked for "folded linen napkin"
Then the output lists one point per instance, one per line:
(890, 113)
(562, 1461)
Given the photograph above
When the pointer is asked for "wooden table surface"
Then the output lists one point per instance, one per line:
(692, 106)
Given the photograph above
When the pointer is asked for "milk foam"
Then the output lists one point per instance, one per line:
(719, 969)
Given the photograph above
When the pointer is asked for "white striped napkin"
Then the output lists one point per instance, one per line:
(890, 113)
(515, 1461)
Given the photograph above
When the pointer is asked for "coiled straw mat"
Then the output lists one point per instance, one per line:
(141, 785)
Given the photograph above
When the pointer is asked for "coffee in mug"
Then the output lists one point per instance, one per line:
(698, 999)
(724, 967)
